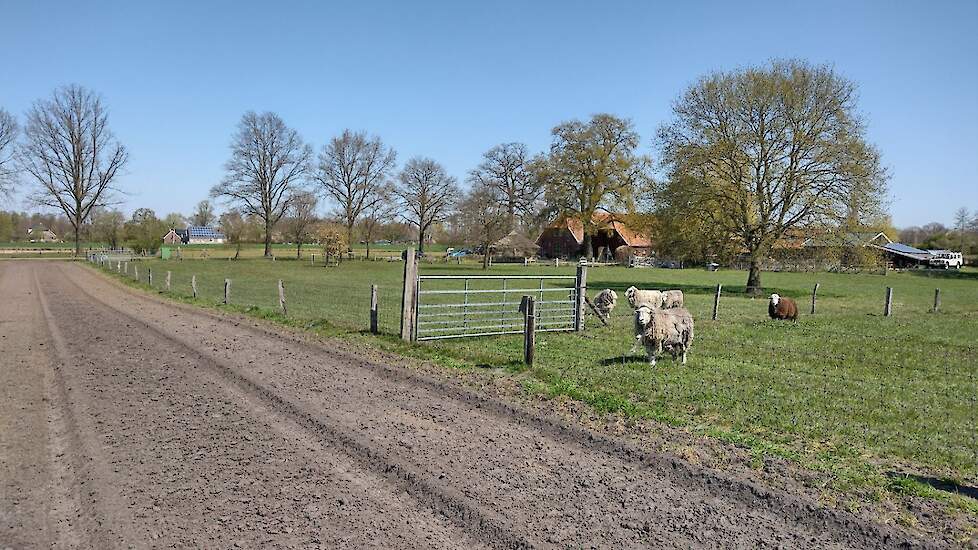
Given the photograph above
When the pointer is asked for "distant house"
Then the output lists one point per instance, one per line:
(40, 234)
(612, 238)
(175, 236)
(204, 235)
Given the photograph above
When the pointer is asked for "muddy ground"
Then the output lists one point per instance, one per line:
(129, 422)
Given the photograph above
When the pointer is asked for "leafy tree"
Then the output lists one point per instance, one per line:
(71, 154)
(505, 174)
(108, 226)
(175, 220)
(332, 239)
(593, 166)
(427, 194)
(300, 221)
(763, 150)
(144, 231)
(203, 215)
(267, 170)
(354, 170)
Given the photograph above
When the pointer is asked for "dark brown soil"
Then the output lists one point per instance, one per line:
(127, 421)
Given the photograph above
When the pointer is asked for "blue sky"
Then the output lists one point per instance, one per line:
(450, 79)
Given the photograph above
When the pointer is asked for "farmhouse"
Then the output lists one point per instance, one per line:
(613, 237)
(203, 235)
(40, 234)
(175, 236)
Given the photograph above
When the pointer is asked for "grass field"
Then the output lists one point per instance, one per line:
(846, 391)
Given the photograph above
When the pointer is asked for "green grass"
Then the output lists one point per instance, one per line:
(846, 391)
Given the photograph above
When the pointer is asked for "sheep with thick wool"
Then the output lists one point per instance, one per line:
(605, 301)
(638, 298)
(661, 330)
(672, 299)
(782, 308)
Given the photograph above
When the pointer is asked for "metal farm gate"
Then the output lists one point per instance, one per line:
(437, 307)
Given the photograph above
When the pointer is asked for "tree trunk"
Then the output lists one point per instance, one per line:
(485, 257)
(420, 242)
(77, 242)
(368, 247)
(587, 246)
(754, 276)
(349, 237)
(298, 249)
(268, 238)
(237, 250)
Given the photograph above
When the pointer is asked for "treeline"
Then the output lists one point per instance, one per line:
(963, 236)
(750, 157)
(14, 226)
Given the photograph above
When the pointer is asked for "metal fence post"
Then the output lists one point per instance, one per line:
(580, 286)
(374, 320)
(409, 297)
(227, 291)
(281, 297)
(888, 305)
(814, 297)
(528, 308)
(716, 302)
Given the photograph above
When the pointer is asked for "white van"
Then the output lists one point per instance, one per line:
(945, 259)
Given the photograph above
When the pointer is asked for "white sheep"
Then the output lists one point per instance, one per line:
(605, 301)
(672, 299)
(638, 298)
(664, 329)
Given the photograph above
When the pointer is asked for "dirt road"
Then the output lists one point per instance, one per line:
(127, 421)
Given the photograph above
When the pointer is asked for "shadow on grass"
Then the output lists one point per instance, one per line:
(952, 274)
(625, 360)
(939, 484)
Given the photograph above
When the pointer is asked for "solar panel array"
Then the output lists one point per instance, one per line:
(898, 247)
(199, 232)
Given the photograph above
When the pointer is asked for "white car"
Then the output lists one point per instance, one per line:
(945, 259)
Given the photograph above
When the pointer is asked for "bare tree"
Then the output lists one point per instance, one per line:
(71, 154)
(427, 193)
(203, 214)
(8, 139)
(352, 170)
(505, 173)
(593, 166)
(762, 150)
(484, 218)
(268, 167)
(378, 213)
(962, 219)
(300, 220)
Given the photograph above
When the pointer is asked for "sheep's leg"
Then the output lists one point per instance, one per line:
(684, 357)
(651, 358)
(636, 344)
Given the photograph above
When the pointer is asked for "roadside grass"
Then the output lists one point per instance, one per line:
(867, 399)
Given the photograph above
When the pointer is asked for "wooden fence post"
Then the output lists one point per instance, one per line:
(135, 272)
(281, 297)
(374, 320)
(227, 291)
(168, 281)
(580, 290)
(888, 305)
(118, 267)
(150, 276)
(193, 285)
(529, 310)
(716, 302)
(814, 297)
(937, 300)
(409, 297)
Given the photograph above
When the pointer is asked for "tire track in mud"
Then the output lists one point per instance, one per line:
(402, 476)
(105, 521)
(847, 530)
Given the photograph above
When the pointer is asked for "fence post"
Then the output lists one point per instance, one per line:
(716, 302)
(374, 320)
(580, 286)
(814, 297)
(281, 296)
(227, 291)
(888, 305)
(168, 281)
(937, 300)
(529, 310)
(193, 285)
(118, 267)
(135, 272)
(409, 297)
(126, 271)
(150, 275)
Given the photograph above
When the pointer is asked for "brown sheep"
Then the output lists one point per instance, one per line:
(782, 308)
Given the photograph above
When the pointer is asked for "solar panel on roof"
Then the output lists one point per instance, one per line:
(898, 247)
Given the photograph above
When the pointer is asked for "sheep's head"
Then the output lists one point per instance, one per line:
(775, 299)
(643, 315)
(630, 294)
(612, 295)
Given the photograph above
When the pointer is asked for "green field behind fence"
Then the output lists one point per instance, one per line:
(847, 389)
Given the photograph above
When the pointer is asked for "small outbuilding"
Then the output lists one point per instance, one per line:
(515, 245)
(40, 234)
